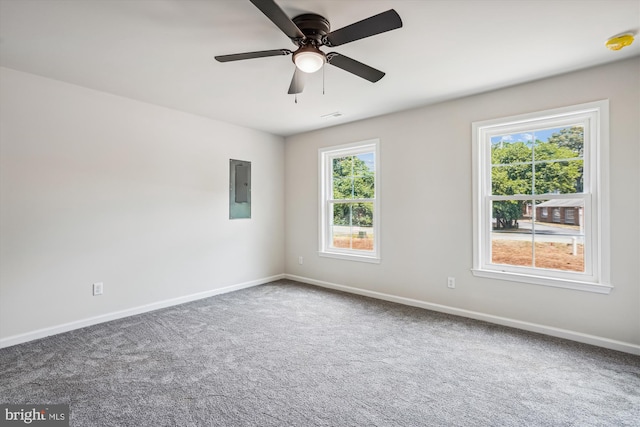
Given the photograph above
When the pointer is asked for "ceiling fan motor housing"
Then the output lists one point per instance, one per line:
(313, 26)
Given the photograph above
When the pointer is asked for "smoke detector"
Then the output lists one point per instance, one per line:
(618, 42)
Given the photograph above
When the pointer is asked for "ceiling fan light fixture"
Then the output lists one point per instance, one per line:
(309, 59)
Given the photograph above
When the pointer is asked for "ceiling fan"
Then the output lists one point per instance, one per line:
(309, 32)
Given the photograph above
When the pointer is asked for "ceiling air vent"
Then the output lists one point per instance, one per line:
(331, 115)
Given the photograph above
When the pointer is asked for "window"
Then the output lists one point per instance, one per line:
(349, 212)
(529, 171)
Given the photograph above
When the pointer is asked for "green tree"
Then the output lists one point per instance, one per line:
(512, 173)
(353, 179)
(573, 139)
(557, 176)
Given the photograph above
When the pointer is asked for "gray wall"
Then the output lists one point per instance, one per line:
(426, 211)
(98, 188)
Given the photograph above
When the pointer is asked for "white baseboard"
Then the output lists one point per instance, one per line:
(504, 321)
(66, 327)
(518, 324)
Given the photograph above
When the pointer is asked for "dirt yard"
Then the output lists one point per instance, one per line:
(361, 243)
(556, 256)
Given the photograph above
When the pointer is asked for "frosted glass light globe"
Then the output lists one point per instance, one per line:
(309, 61)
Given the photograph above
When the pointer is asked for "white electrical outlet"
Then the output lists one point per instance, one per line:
(451, 282)
(300, 260)
(97, 288)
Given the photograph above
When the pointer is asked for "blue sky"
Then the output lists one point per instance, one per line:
(368, 159)
(541, 135)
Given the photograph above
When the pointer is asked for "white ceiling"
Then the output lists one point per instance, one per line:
(161, 52)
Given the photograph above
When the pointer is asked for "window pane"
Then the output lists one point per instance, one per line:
(362, 214)
(342, 166)
(559, 236)
(341, 214)
(559, 251)
(352, 226)
(341, 225)
(511, 238)
(354, 177)
(363, 226)
(544, 213)
(367, 160)
(363, 187)
(551, 151)
(340, 237)
(562, 177)
(343, 188)
(510, 149)
(559, 143)
(510, 180)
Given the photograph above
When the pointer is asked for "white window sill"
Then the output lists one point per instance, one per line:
(577, 285)
(351, 257)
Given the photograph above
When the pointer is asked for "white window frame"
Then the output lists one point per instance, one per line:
(595, 118)
(325, 156)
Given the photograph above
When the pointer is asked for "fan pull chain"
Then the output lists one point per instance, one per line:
(323, 65)
(295, 97)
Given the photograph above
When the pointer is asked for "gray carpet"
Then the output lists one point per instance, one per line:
(287, 354)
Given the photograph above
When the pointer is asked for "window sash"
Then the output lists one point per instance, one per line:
(589, 242)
